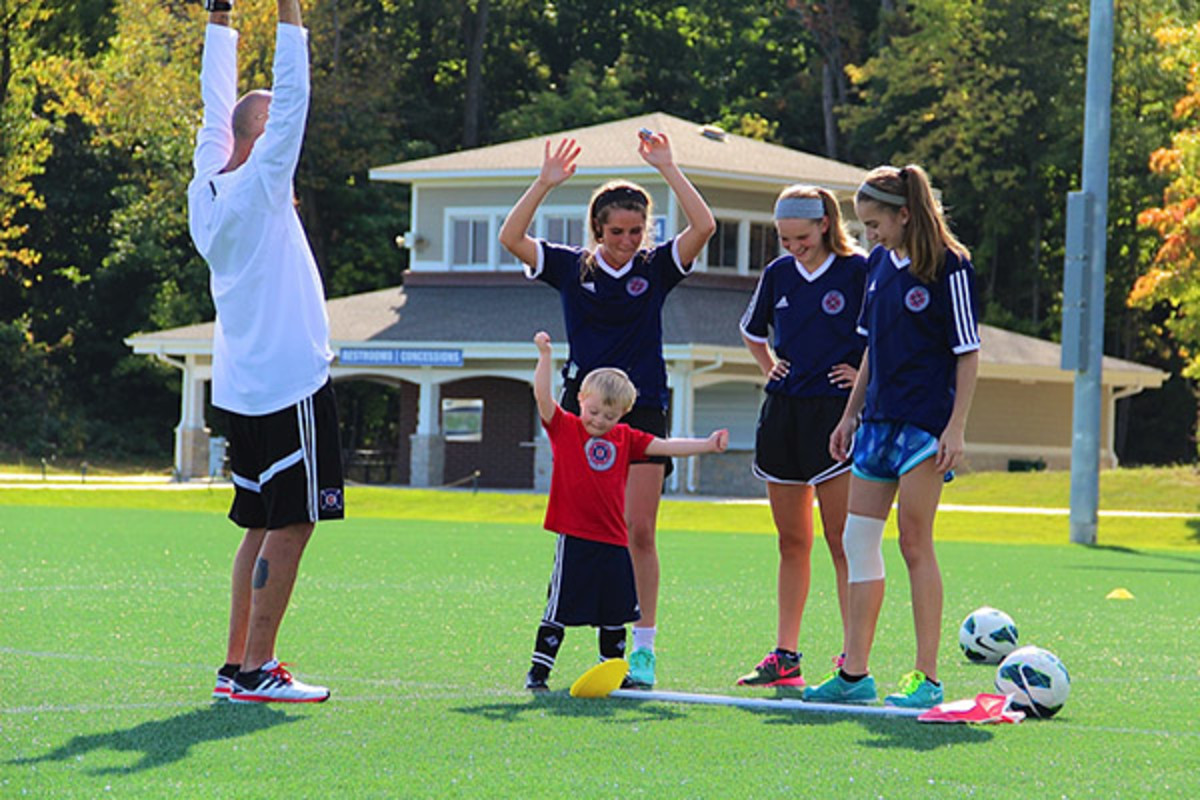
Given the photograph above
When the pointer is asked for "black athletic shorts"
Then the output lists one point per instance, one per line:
(287, 465)
(592, 584)
(791, 442)
(643, 418)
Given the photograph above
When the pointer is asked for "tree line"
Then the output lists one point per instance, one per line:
(99, 103)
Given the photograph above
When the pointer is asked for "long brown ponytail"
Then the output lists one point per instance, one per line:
(926, 235)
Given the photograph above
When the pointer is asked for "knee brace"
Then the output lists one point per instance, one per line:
(863, 542)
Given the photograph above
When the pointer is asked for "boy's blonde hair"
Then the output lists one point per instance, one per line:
(612, 386)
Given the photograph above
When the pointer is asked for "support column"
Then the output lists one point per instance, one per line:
(680, 376)
(427, 458)
(191, 435)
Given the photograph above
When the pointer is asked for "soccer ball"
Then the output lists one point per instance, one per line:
(987, 635)
(1036, 679)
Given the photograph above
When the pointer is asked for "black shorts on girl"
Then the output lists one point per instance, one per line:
(791, 441)
(643, 418)
(592, 584)
(287, 465)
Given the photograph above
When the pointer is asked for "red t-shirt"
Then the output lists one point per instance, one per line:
(587, 488)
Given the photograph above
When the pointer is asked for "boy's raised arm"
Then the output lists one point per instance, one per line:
(541, 378)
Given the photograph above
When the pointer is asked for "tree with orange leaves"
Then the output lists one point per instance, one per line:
(1173, 278)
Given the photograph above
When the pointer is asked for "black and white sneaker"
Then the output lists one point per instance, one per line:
(271, 683)
(536, 683)
(224, 682)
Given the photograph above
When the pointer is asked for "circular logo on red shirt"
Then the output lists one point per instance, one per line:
(916, 299)
(833, 303)
(601, 453)
(636, 285)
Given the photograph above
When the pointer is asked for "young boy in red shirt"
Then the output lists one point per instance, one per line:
(592, 582)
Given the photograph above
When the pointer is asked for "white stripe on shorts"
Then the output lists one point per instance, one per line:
(551, 614)
(268, 473)
(306, 422)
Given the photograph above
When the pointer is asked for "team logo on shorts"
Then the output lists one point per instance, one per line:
(916, 299)
(636, 285)
(331, 499)
(833, 303)
(601, 453)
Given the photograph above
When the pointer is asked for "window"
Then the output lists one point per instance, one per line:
(564, 230)
(506, 258)
(471, 238)
(764, 244)
(723, 246)
(462, 419)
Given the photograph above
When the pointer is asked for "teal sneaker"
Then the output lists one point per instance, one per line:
(916, 691)
(836, 689)
(641, 670)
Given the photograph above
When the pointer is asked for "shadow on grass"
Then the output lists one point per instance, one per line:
(561, 704)
(887, 732)
(168, 740)
(1156, 555)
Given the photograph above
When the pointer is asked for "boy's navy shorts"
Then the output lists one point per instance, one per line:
(592, 584)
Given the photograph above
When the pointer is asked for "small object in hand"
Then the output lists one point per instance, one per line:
(645, 133)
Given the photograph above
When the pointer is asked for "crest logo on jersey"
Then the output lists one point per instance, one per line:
(637, 285)
(833, 303)
(331, 499)
(601, 453)
(916, 299)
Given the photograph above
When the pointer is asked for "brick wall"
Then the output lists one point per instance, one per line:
(503, 458)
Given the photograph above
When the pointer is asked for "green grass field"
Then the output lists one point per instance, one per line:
(420, 611)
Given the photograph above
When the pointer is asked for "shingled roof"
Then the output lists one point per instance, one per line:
(611, 147)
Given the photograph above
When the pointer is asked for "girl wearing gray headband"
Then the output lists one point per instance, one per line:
(800, 328)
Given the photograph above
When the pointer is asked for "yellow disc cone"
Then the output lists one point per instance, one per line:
(1119, 594)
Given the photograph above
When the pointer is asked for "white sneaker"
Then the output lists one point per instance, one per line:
(271, 683)
(223, 688)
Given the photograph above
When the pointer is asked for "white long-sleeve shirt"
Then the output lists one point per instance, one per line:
(271, 345)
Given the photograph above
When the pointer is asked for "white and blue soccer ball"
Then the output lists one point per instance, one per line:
(1036, 679)
(987, 635)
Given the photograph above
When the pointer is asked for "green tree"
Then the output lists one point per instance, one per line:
(983, 96)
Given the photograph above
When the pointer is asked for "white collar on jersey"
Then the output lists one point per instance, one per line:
(897, 261)
(616, 273)
(813, 276)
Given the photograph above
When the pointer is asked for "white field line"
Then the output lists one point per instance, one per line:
(765, 703)
(1033, 510)
(142, 482)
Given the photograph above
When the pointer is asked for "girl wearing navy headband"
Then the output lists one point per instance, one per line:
(800, 327)
(912, 394)
(612, 297)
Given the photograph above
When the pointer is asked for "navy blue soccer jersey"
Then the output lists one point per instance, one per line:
(814, 319)
(916, 332)
(614, 316)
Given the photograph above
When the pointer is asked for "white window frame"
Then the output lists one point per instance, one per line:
(484, 214)
(569, 213)
(743, 219)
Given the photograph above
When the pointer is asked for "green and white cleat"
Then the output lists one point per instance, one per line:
(916, 691)
(641, 670)
(836, 689)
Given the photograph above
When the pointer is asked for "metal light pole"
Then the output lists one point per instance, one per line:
(1083, 278)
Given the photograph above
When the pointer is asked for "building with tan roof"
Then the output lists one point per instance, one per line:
(454, 342)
